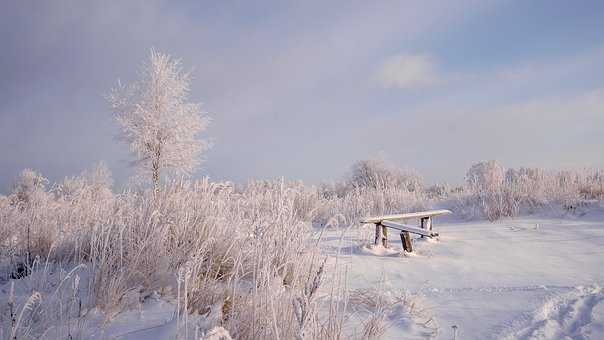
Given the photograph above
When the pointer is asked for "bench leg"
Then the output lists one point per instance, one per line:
(425, 223)
(381, 235)
(378, 234)
(406, 240)
(422, 224)
(385, 237)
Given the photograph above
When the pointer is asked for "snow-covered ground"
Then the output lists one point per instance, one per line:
(524, 278)
(537, 277)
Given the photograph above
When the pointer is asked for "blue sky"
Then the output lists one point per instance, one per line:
(304, 89)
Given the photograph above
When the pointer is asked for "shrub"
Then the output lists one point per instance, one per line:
(493, 192)
(375, 174)
(247, 250)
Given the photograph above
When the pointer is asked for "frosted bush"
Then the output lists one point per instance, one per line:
(373, 188)
(386, 306)
(493, 192)
(485, 176)
(438, 191)
(485, 182)
(247, 250)
(29, 188)
(362, 202)
(375, 174)
(92, 184)
(593, 185)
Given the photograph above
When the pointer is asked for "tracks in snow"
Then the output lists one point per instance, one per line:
(570, 313)
(576, 315)
(494, 289)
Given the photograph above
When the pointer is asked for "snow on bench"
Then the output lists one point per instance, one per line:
(386, 221)
(409, 228)
(407, 216)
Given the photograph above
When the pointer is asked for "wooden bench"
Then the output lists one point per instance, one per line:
(424, 229)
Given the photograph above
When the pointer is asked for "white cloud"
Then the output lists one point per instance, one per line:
(408, 71)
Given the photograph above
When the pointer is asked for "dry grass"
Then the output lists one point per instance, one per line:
(245, 255)
(381, 307)
(248, 250)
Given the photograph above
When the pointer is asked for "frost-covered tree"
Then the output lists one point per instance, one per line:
(158, 121)
(485, 176)
(486, 180)
(376, 174)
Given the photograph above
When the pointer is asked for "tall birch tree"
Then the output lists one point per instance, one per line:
(157, 120)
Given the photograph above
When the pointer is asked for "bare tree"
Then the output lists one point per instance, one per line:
(158, 121)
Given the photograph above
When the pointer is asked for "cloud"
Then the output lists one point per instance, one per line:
(408, 71)
(551, 131)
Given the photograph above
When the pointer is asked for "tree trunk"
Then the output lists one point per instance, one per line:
(155, 176)
(155, 167)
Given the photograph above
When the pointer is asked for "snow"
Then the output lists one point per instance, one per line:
(538, 277)
(524, 278)
(575, 315)
(155, 319)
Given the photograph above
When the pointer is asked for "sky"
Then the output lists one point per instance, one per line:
(303, 89)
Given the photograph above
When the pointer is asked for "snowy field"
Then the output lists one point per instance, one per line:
(294, 262)
(218, 193)
(524, 278)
